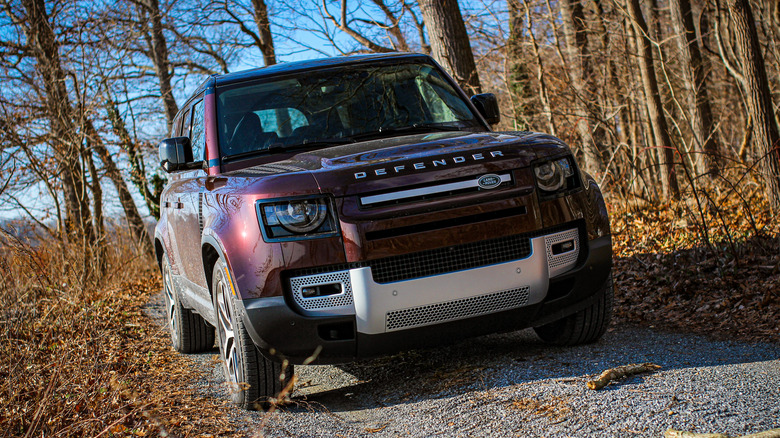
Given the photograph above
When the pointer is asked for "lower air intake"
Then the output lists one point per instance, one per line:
(458, 309)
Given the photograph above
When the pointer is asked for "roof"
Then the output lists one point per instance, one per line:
(297, 66)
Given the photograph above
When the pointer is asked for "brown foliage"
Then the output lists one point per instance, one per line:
(77, 355)
(714, 271)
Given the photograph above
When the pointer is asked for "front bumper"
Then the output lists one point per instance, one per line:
(383, 318)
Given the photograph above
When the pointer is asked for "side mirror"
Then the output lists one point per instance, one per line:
(487, 105)
(175, 153)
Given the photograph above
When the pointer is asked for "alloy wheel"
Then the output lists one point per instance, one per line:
(227, 336)
(170, 302)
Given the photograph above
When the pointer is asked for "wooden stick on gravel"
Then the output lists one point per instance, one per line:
(671, 433)
(620, 372)
(771, 433)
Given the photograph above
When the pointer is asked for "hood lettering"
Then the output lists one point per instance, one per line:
(438, 162)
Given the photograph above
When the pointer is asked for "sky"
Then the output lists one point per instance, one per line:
(292, 43)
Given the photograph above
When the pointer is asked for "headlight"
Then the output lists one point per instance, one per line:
(555, 175)
(300, 218)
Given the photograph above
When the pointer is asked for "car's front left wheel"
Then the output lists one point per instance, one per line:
(254, 380)
(585, 326)
(190, 333)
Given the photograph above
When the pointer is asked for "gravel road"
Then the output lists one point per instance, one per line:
(514, 385)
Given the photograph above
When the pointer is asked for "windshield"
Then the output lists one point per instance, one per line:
(327, 107)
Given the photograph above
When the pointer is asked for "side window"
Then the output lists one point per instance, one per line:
(176, 128)
(198, 137)
(185, 125)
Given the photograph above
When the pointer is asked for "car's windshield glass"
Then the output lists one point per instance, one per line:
(319, 108)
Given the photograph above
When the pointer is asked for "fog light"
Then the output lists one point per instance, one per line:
(309, 292)
(321, 290)
(562, 247)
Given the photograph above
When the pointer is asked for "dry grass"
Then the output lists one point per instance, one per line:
(77, 355)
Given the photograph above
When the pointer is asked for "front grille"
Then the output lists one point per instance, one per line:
(444, 260)
(458, 309)
(450, 259)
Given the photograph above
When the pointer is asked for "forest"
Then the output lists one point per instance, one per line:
(671, 105)
(659, 100)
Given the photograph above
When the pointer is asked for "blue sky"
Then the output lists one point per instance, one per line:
(292, 43)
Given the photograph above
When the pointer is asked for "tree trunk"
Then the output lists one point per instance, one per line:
(150, 190)
(450, 44)
(696, 78)
(653, 97)
(64, 138)
(260, 14)
(99, 250)
(544, 95)
(160, 57)
(765, 132)
(134, 219)
(586, 107)
(643, 140)
(613, 94)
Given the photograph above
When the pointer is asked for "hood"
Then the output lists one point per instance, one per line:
(406, 160)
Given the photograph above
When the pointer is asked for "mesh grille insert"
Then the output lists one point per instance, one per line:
(567, 258)
(450, 259)
(458, 309)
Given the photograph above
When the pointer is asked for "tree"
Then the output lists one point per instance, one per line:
(149, 11)
(397, 38)
(262, 37)
(449, 41)
(64, 138)
(653, 98)
(520, 80)
(581, 72)
(695, 74)
(759, 99)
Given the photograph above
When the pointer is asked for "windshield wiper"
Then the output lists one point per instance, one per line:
(323, 142)
(280, 148)
(411, 129)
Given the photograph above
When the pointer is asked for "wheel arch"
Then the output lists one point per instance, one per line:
(211, 250)
(159, 251)
(596, 214)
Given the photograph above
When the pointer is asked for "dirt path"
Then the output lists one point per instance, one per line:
(513, 385)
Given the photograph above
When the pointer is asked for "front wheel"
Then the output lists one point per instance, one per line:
(190, 333)
(253, 379)
(583, 327)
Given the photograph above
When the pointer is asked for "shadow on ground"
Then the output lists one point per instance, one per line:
(506, 360)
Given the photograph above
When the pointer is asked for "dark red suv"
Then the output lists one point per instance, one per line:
(343, 208)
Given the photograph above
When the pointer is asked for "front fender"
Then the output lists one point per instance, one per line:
(596, 214)
(213, 249)
(162, 243)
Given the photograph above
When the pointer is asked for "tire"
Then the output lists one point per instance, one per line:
(254, 380)
(190, 333)
(583, 327)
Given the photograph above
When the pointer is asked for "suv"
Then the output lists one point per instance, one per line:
(331, 210)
